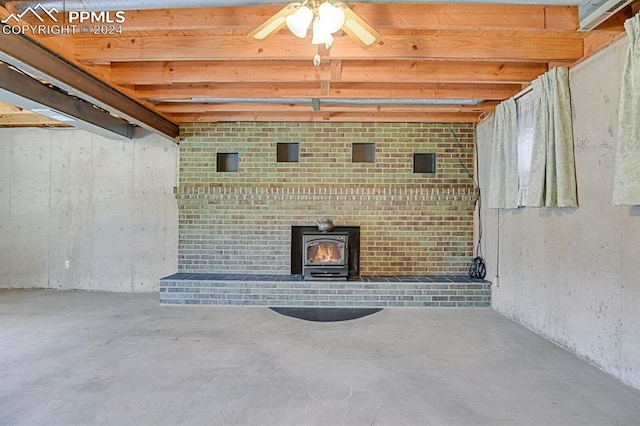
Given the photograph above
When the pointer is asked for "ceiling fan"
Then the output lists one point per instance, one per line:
(326, 17)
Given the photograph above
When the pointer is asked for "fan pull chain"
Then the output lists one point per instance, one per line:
(316, 58)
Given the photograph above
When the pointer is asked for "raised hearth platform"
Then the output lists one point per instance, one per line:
(292, 291)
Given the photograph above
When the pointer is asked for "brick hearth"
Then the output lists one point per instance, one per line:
(292, 291)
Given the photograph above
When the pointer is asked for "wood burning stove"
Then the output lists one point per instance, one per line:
(353, 256)
(325, 255)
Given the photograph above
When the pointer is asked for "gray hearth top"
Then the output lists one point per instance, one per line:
(200, 276)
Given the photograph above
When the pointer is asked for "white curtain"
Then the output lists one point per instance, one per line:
(552, 181)
(626, 181)
(503, 178)
(526, 130)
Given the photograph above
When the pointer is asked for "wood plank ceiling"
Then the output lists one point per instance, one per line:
(13, 116)
(198, 64)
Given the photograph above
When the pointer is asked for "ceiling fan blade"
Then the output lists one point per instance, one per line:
(274, 23)
(357, 28)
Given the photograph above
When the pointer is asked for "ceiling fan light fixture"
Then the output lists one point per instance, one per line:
(298, 23)
(325, 17)
(331, 17)
(321, 34)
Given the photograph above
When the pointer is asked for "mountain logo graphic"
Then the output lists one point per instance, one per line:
(33, 11)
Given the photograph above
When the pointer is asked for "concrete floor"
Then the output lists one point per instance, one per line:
(82, 358)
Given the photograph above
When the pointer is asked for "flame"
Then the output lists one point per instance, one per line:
(324, 252)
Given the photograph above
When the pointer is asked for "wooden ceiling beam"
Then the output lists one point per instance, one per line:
(176, 108)
(140, 73)
(379, 16)
(481, 46)
(435, 117)
(28, 120)
(597, 40)
(30, 56)
(337, 90)
(6, 108)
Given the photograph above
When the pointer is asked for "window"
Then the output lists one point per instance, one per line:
(424, 162)
(227, 162)
(525, 128)
(287, 152)
(363, 153)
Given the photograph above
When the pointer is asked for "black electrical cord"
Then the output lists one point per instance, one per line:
(478, 268)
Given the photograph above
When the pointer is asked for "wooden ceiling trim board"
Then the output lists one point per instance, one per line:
(6, 108)
(391, 16)
(175, 108)
(240, 17)
(561, 18)
(28, 120)
(487, 33)
(595, 41)
(325, 89)
(337, 90)
(498, 47)
(470, 16)
(441, 71)
(140, 73)
(336, 70)
(435, 117)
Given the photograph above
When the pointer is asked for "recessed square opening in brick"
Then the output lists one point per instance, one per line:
(424, 162)
(363, 153)
(287, 152)
(227, 162)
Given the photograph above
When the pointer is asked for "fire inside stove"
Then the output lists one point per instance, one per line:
(325, 252)
(325, 255)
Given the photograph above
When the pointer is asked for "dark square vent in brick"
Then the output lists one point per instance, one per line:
(424, 163)
(287, 152)
(227, 162)
(363, 153)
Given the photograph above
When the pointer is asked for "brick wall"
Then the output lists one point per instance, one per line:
(410, 223)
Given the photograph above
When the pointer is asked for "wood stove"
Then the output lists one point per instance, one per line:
(325, 255)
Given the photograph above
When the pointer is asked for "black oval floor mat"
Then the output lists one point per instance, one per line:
(326, 314)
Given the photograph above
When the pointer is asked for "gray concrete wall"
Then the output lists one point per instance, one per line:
(106, 206)
(573, 275)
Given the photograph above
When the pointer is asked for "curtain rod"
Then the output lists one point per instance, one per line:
(523, 92)
(530, 86)
(485, 115)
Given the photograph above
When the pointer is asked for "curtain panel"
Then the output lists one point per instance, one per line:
(552, 180)
(626, 180)
(503, 177)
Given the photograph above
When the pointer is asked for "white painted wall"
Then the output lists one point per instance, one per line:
(106, 206)
(573, 275)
